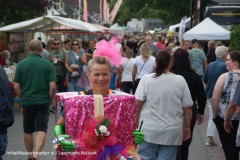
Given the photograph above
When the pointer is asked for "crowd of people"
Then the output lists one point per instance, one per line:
(166, 78)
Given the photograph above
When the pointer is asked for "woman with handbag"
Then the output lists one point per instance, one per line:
(74, 61)
(143, 64)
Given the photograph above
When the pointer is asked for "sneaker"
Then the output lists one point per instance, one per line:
(52, 110)
(211, 143)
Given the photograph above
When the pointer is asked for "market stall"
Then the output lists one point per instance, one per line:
(20, 34)
(207, 30)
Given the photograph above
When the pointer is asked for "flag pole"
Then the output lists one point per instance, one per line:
(79, 11)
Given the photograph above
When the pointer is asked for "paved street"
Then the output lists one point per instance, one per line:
(16, 150)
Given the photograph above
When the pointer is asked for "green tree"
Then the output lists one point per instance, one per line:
(12, 11)
(235, 38)
(169, 11)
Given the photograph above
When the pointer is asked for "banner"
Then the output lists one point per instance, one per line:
(85, 11)
(105, 11)
(100, 10)
(182, 28)
(115, 10)
(79, 8)
(107, 18)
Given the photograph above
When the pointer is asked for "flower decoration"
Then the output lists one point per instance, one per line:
(99, 132)
(110, 50)
(102, 129)
(100, 136)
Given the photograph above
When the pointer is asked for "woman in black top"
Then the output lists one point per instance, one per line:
(211, 56)
(181, 66)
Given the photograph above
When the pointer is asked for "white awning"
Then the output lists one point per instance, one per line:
(48, 22)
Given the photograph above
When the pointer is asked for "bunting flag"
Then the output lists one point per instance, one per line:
(182, 29)
(100, 10)
(79, 8)
(107, 16)
(115, 10)
(105, 11)
(85, 11)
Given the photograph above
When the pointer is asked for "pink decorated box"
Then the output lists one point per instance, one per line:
(120, 109)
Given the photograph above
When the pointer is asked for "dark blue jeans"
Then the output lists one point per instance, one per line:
(3, 144)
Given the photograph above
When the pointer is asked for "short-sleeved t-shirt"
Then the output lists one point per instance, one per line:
(197, 57)
(144, 67)
(34, 74)
(162, 113)
(127, 65)
(59, 67)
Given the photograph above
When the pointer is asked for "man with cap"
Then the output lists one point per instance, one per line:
(197, 58)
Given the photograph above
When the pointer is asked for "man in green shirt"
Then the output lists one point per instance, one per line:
(35, 85)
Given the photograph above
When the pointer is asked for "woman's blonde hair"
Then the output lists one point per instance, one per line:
(98, 60)
(145, 50)
(211, 44)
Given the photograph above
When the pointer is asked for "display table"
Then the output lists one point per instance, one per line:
(10, 73)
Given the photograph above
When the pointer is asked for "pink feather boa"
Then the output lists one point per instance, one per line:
(110, 50)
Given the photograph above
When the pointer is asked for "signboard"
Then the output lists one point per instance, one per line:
(151, 23)
(224, 15)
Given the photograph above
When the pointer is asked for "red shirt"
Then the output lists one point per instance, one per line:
(2, 61)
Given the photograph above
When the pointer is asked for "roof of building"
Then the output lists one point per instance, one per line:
(227, 1)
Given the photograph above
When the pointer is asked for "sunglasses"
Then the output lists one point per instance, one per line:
(75, 44)
(56, 43)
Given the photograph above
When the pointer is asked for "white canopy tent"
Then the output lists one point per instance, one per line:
(116, 29)
(47, 22)
(20, 34)
(207, 30)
